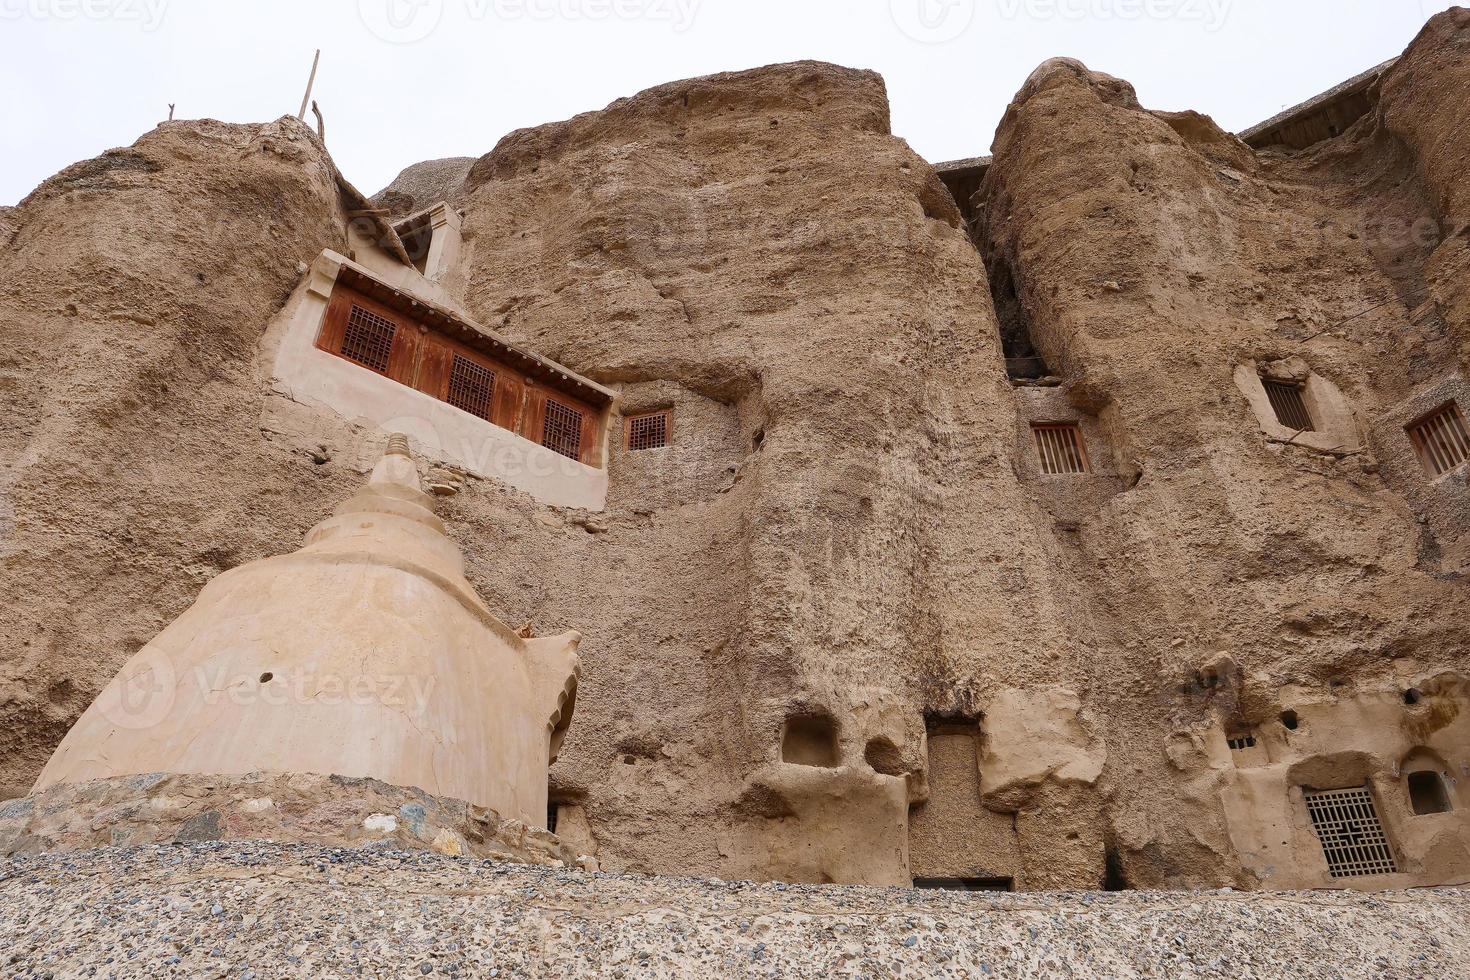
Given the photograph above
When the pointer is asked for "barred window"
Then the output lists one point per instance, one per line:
(471, 387)
(369, 339)
(561, 431)
(1353, 841)
(1442, 440)
(1060, 447)
(1291, 408)
(649, 431)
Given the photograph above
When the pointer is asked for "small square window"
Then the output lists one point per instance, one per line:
(471, 387)
(561, 430)
(1060, 447)
(649, 431)
(1290, 407)
(1239, 743)
(368, 339)
(1441, 438)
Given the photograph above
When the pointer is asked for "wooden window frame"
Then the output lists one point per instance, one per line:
(402, 359)
(628, 420)
(1079, 442)
(538, 432)
(1431, 456)
(423, 359)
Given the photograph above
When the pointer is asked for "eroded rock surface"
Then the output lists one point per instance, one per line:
(425, 184)
(851, 533)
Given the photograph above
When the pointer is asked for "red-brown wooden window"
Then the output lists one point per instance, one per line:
(377, 337)
(368, 339)
(471, 387)
(1442, 439)
(371, 335)
(1060, 446)
(561, 429)
(651, 430)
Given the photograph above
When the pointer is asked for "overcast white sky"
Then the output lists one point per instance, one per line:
(409, 80)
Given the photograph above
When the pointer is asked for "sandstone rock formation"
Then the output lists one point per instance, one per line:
(1152, 254)
(425, 184)
(818, 621)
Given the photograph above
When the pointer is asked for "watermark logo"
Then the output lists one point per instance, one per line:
(147, 14)
(679, 14)
(143, 694)
(410, 21)
(401, 21)
(299, 686)
(1212, 14)
(933, 21)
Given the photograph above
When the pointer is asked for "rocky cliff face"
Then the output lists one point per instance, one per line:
(844, 628)
(841, 536)
(424, 185)
(1153, 256)
(132, 467)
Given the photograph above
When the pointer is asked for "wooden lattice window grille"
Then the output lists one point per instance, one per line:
(1239, 743)
(1061, 448)
(1289, 405)
(650, 431)
(561, 430)
(471, 387)
(1352, 837)
(1442, 439)
(368, 339)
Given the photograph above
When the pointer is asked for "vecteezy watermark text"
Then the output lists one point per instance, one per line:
(1211, 13)
(150, 687)
(300, 686)
(409, 21)
(939, 21)
(147, 14)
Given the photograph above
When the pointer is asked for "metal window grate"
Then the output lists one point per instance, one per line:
(1291, 408)
(561, 431)
(369, 339)
(1061, 449)
(648, 431)
(471, 387)
(1352, 837)
(1240, 742)
(1442, 439)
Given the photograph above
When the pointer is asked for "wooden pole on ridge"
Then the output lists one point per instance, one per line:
(309, 83)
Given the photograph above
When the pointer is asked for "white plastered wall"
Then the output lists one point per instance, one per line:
(438, 431)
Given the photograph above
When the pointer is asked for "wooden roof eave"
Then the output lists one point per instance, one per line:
(480, 338)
